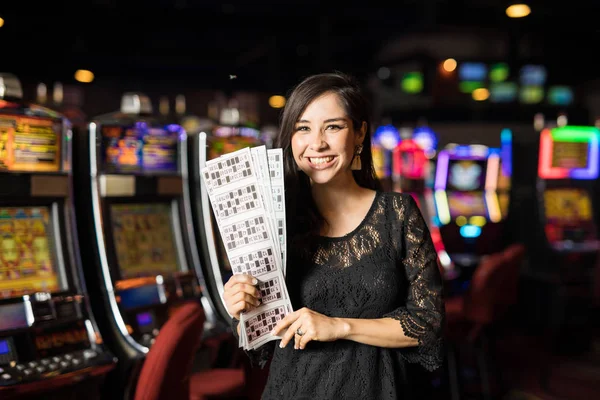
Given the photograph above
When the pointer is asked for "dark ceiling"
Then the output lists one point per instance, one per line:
(266, 45)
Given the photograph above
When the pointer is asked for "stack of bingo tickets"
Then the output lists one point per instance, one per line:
(246, 191)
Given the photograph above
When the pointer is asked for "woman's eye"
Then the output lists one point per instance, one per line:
(334, 127)
(302, 128)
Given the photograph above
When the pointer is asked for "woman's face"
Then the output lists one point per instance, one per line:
(324, 140)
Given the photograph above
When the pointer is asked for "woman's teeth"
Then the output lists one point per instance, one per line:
(320, 160)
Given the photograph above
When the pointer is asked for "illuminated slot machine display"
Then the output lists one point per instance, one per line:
(567, 170)
(48, 334)
(205, 146)
(140, 244)
(466, 203)
(410, 171)
(384, 141)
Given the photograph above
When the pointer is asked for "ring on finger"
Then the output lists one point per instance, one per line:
(299, 332)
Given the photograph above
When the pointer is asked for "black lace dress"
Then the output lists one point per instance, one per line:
(386, 267)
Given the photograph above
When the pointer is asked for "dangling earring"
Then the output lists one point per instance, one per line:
(356, 162)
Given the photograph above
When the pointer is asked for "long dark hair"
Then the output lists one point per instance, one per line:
(302, 215)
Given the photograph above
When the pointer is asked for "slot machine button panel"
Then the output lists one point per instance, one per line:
(87, 354)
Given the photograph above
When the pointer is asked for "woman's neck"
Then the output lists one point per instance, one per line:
(339, 198)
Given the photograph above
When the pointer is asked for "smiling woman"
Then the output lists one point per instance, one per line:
(362, 272)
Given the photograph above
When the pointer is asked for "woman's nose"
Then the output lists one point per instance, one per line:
(317, 142)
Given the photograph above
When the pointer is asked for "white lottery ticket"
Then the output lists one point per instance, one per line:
(249, 234)
(260, 325)
(261, 162)
(275, 160)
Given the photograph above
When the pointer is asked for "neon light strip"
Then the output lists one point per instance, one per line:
(506, 146)
(441, 173)
(491, 176)
(493, 206)
(545, 170)
(441, 204)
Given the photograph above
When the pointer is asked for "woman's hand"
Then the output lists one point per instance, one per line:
(241, 294)
(305, 325)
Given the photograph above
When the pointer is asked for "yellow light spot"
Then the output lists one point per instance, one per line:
(480, 94)
(449, 65)
(1, 22)
(461, 220)
(277, 101)
(477, 220)
(518, 11)
(84, 76)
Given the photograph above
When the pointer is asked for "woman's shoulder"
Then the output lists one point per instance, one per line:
(397, 201)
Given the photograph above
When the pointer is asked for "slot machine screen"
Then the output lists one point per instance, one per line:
(466, 175)
(144, 239)
(570, 155)
(466, 204)
(217, 146)
(27, 252)
(567, 206)
(30, 144)
(569, 215)
(139, 148)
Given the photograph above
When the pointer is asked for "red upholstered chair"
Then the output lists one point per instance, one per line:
(168, 365)
(167, 370)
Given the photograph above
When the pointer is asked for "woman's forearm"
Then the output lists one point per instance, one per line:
(383, 332)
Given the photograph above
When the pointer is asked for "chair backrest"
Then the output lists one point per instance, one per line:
(514, 254)
(168, 365)
(484, 290)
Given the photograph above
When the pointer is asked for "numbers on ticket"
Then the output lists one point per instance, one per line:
(255, 263)
(228, 171)
(245, 233)
(275, 168)
(277, 194)
(270, 290)
(263, 323)
(237, 201)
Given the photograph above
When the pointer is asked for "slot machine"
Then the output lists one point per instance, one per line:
(466, 202)
(565, 260)
(410, 172)
(204, 146)
(49, 339)
(133, 196)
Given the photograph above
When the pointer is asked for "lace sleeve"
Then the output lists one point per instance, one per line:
(423, 315)
(259, 357)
